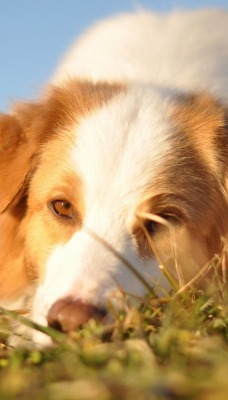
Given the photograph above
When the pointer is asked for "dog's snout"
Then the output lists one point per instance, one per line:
(68, 314)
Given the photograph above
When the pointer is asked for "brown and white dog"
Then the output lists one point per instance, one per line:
(133, 124)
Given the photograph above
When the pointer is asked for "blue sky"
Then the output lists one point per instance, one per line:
(35, 33)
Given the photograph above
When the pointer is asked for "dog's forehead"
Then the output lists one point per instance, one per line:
(120, 149)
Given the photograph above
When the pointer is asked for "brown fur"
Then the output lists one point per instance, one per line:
(190, 190)
(204, 123)
(51, 181)
(23, 136)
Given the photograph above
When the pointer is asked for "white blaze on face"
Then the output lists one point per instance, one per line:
(118, 152)
(120, 148)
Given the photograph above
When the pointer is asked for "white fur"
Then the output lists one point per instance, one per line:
(186, 50)
(115, 179)
(114, 146)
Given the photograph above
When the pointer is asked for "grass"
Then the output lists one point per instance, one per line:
(173, 347)
(170, 348)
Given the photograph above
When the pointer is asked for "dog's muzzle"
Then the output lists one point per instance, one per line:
(67, 314)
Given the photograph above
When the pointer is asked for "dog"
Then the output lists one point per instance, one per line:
(115, 180)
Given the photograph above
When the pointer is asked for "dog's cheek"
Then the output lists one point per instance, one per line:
(182, 253)
(39, 244)
(42, 234)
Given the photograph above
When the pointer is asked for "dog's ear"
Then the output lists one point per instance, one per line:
(17, 150)
(205, 122)
(15, 154)
(21, 134)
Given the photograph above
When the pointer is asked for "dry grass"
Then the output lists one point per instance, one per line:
(170, 348)
(174, 348)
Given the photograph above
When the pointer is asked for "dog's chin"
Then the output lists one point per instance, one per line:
(42, 340)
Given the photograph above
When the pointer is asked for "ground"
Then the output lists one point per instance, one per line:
(175, 347)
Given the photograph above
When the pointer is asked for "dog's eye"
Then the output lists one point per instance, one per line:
(151, 227)
(62, 208)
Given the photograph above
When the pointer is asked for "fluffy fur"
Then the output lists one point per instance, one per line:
(133, 124)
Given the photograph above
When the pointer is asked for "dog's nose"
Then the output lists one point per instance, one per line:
(68, 314)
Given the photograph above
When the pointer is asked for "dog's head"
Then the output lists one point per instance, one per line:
(102, 184)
